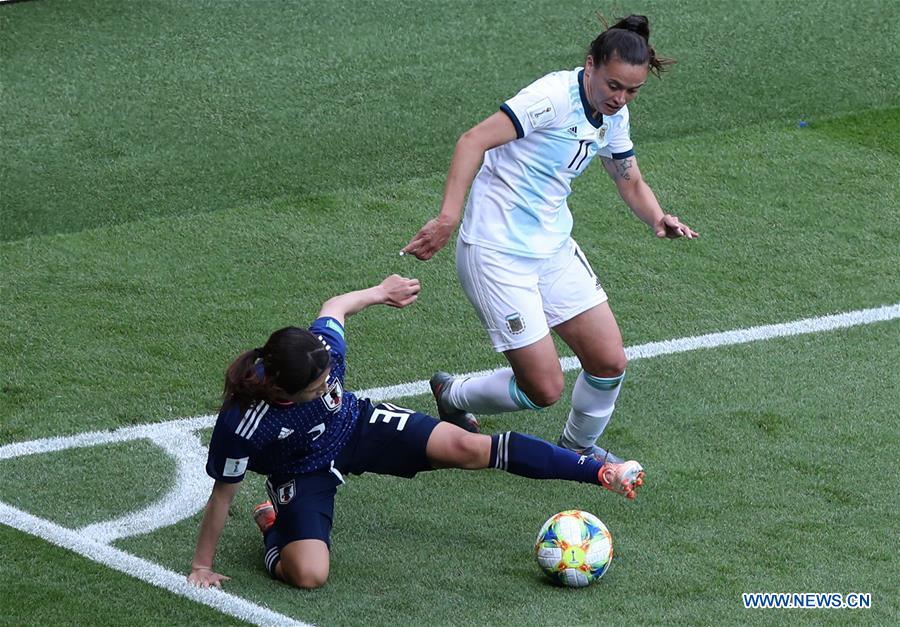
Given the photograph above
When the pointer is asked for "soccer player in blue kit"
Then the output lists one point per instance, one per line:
(286, 415)
(515, 256)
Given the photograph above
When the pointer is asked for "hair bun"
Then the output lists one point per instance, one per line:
(635, 23)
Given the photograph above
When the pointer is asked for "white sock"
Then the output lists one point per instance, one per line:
(491, 394)
(593, 402)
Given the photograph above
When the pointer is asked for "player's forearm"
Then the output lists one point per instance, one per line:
(467, 158)
(642, 201)
(345, 305)
(214, 517)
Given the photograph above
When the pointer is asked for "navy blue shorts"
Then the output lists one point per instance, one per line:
(304, 506)
(387, 440)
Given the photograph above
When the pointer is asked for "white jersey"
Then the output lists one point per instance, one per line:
(517, 203)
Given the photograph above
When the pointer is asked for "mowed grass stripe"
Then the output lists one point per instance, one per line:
(177, 108)
(821, 324)
(160, 307)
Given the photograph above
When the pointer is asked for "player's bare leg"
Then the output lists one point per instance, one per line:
(537, 371)
(302, 563)
(450, 446)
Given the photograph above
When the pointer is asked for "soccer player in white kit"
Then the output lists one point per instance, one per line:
(515, 256)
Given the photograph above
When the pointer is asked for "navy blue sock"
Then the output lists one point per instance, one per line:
(534, 458)
(273, 550)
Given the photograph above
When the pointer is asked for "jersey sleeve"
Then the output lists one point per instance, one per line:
(229, 454)
(538, 106)
(331, 332)
(620, 145)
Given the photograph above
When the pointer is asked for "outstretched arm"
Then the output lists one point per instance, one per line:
(214, 518)
(494, 131)
(641, 199)
(395, 291)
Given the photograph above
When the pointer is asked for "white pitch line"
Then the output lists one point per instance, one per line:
(93, 438)
(416, 388)
(142, 569)
(710, 340)
(187, 496)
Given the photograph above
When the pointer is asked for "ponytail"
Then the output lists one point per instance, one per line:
(291, 359)
(243, 384)
(629, 40)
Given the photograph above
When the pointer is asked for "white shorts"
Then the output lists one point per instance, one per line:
(519, 299)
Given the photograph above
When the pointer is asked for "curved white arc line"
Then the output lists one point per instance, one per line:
(187, 496)
(141, 569)
(94, 438)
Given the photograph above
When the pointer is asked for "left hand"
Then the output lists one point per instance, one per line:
(206, 578)
(399, 291)
(670, 226)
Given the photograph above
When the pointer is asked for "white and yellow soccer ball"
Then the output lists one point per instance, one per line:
(574, 548)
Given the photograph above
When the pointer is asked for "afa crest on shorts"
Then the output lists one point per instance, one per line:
(515, 323)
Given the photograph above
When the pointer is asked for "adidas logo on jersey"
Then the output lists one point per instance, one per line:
(285, 432)
(573, 130)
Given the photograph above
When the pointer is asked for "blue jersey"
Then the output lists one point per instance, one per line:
(287, 439)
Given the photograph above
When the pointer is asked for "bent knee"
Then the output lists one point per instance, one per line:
(544, 393)
(308, 581)
(611, 366)
(305, 578)
(546, 397)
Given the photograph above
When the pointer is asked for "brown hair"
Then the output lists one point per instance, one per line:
(628, 40)
(292, 358)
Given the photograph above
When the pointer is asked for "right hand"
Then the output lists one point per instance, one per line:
(206, 577)
(431, 238)
(399, 291)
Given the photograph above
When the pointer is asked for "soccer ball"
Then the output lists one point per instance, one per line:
(574, 548)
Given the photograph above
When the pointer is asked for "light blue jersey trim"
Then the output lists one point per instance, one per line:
(519, 398)
(603, 383)
(335, 326)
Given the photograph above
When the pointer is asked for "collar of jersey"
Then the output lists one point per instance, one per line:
(587, 105)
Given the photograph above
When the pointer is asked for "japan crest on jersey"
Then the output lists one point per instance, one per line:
(333, 397)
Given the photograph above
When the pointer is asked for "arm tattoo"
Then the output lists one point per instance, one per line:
(622, 166)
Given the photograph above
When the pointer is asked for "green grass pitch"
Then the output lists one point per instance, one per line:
(181, 178)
